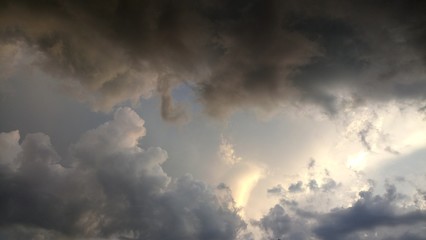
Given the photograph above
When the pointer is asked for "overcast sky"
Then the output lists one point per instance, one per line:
(213, 120)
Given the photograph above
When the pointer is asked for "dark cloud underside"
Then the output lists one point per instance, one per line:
(234, 54)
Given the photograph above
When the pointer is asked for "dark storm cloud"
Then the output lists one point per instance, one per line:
(114, 189)
(234, 54)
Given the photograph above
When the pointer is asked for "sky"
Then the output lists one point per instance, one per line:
(212, 120)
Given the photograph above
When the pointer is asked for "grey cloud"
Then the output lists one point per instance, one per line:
(9, 148)
(408, 236)
(329, 185)
(169, 110)
(311, 163)
(366, 214)
(313, 185)
(276, 221)
(113, 189)
(391, 150)
(296, 187)
(108, 52)
(260, 55)
(290, 203)
(240, 54)
(278, 224)
(277, 190)
(371, 217)
(363, 134)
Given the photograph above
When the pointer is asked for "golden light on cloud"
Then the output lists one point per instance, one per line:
(242, 176)
(244, 185)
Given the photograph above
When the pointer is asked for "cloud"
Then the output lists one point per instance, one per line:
(227, 152)
(9, 146)
(277, 190)
(250, 54)
(313, 185)
(311, 163)
(329, 185)
(278, 224)
(169, 110)
(296, 187)
(276, 221)
(113, 189)
(366, 214)
(254, 54)
(370, 217)
(407, 236)
(242, 177)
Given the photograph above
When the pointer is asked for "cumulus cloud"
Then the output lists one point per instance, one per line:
(112, 189)
(296, 187)
(277, 190)
(387, 216)
(276, 221)
(368, 213)
(337, 56)
(243, 54)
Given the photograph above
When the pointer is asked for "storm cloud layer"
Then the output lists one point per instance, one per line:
(113, 189)
(343, 158)
(238, 54)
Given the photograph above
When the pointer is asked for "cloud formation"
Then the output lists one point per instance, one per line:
(112, 189)
(340, 57)
(368, 213)
(388, 216)
(242, 54)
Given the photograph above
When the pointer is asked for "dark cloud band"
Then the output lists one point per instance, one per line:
(235, 54)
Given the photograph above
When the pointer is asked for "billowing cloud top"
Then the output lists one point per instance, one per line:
(114, 190)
